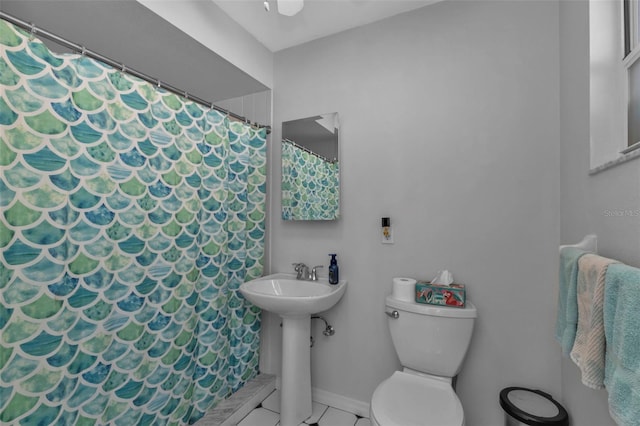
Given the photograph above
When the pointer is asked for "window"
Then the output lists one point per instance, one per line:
(631, 62)
(614, 82)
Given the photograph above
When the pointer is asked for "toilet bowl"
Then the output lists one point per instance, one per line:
(406, 399)
(431, 343)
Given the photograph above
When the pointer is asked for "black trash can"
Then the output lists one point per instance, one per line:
(531, 407)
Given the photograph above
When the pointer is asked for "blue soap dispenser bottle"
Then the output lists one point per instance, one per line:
(333, 270)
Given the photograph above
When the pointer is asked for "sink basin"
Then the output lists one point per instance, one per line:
(282, 294)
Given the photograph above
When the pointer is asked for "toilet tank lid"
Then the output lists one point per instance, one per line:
(469, 310)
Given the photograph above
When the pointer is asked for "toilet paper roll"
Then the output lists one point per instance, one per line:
(404, 289)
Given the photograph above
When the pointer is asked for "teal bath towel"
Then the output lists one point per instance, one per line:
(567, 316)
(622, 333)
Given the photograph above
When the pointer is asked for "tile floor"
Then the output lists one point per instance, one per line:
(267, 414)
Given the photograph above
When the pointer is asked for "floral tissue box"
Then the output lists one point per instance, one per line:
(438, 294)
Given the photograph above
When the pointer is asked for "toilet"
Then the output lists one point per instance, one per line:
(431, 342)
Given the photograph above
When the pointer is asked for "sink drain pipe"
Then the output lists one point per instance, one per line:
(328, 329)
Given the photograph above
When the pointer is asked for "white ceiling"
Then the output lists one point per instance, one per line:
(318, 18)
(130, 33)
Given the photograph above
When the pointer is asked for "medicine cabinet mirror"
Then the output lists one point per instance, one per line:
(310, 168)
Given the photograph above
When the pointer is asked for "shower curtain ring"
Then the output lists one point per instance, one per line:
(32, 31)
(83, 52)
(123, 68)
(158, 83)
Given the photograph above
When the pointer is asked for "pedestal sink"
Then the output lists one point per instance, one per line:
(295, 301)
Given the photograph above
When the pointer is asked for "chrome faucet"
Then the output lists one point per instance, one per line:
(314, 276)
(304, 273)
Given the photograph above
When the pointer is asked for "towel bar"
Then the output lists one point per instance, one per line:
(588, 243)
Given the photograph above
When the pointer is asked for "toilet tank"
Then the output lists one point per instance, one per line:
(431, 339)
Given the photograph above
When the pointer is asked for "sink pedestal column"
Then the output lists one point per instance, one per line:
(295, 389)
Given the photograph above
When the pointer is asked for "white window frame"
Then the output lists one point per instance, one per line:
(631, 37)
(609, 85)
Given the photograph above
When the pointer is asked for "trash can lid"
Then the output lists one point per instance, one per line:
(533, 407)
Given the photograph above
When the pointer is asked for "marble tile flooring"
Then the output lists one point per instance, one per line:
(258, 404)
(267, 414)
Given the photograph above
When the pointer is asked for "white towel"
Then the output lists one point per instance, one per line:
(589, 348)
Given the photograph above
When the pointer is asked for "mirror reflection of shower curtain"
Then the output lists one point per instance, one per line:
(310, 185)
(128, 219)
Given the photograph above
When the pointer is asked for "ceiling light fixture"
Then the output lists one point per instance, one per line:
(290, 7)
(285, 7)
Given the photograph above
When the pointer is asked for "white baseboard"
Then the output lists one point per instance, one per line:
(334, 400)
(341, 402)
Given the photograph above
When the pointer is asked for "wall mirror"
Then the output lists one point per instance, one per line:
(310, 168)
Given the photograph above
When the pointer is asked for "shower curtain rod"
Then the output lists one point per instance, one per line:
(33, 30)
(304, 148)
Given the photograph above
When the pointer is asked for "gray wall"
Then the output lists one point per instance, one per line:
(256, 107)
(449, 125)
(586, 199)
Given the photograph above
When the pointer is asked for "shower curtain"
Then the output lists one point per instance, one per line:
(310, 185)
(129, 217)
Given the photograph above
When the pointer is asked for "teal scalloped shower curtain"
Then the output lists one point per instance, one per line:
(129, 217)
(310, 185)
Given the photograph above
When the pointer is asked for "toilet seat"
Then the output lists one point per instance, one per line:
(406, 399)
